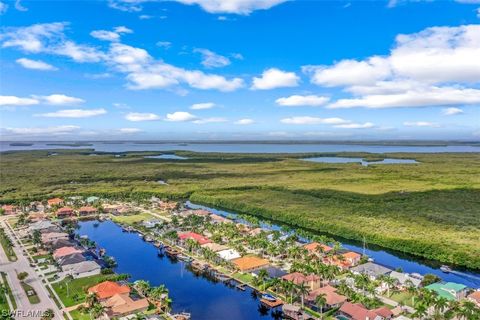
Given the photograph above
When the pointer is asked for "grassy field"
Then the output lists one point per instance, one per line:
(430, 209)
(132, 218)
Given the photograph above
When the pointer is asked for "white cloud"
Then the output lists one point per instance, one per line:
(19, 6)
(60, 99)
(3, 7)
(122, 29)
(77, 52)
(103, 75)
(210, 120)
(298, 100)
(243, 7)
(244, 122)
(211, 59)
(275, 78)
(137, 116)
(74, 113)
(180, 116)
(164, 44)
(421, 124)
(17, 101)
(202, 106)
(35, 64)
(366, 125)
(422, 97)
(307, 120)
(34, 38)
(129, 130)
(105, 35)
(145, 17)
(36, 131)
(452, 111)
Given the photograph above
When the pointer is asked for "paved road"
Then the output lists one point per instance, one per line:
(27, 310)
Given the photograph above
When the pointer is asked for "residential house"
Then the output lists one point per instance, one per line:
(194, 236)
(149, 224)
(82, 269)
(65, 251)
(57, 244)
(215, 247)
(449, 290)
(475, 297)
(250, 263)
(371, 269)
(36, 216)
(64, 212)
(71, 259)
(54, 202)
(352, 258)
(311, 280)
(256, 231)
(167, 205)
(52, 236)
(108, 289)
(10, 209)
(215, 218)
(92, 199)
(273, 272)
(333, 299)
(200, 212)
(229, 254)
(403, 279)
(356, 311)
(86, 211)
(40, 225)
(315, 248)
(122, 304)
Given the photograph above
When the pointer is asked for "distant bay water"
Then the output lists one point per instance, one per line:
(247, 147)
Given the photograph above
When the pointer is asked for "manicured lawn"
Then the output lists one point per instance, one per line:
(9, 290)
(8, 250)
(403, 297)
(131, 219)
(77, 288)
(243, 277)
(31, 293)
(77, 315)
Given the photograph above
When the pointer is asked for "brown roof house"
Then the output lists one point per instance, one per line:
(333, 299)
(311, 280)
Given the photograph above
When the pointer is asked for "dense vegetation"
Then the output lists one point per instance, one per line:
(431, 209)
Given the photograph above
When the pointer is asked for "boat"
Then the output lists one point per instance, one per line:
(185, 258)
(241, 286)
(198, 266)
(182, 316)
(149, 239)
(268, 297)
(446, 269)
(171, 252)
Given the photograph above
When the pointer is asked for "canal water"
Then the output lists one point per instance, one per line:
(202, 297)
(388, 258)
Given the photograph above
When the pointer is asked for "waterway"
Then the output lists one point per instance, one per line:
(387, 258)
(359, 160)
(202, 297)
(250, 147)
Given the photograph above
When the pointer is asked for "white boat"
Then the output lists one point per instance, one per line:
(446, 269)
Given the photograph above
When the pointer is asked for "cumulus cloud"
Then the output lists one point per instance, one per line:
(307, 120)
(74, 113)
(110, 35)
(3, 7)
(210, 120)
(35, 64)
(137, 116)
(451, 111)
(298, 100)
(14, 101)
(242, 7)
(180, 116)
(275, 78)
(129, 130)
(59, 99)
(164, 44)
(39, 131)
(211, 59)
(434, 67)
(245, 121)
(421, 124)
(366, 125)
(202, 106)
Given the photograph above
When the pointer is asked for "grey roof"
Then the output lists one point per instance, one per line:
(81, 267)
(371, 269)
(273, 272)
(71, 259)
(39, 225)
(402, 278)
(56, 244)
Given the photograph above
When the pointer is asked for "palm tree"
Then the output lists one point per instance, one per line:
(420, 311)
(139, 316)
(143, 287)
(97, 310)
(91, 299)
(302, 291)
(440, 304)
(320, 302)
(468, 310)
(263, 276)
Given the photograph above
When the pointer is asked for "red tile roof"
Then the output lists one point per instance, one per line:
(194, 236)
(65, 251)
(313, 247)
(331, 295)
(87, 209)
(107, 289)
(384, 312)
(65, 210)
(54, 201)
(297, 277)
(357, 311)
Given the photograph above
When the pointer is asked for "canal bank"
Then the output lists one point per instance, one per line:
(203, 297)
(388, 258)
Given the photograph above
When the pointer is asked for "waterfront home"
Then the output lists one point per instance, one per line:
(57, 244)
(40, 225)
(475, 297)
(36, 206)
(449, 290)
(149, 224)
(229, 254)
(403, 279)
(85, 211)
(82, 269)
(9, 209)
(65, 251)
(371, 269)
(256, 231)
(294, 312)
(200, 212)
(333, 299)
(314, 248)
(36, 216)
(272, 272)
(122, 304)
(194, 236)
(92, 199)
(215, 247)
(250, 263)
(167, 205)
(351, 258)
(52, 236)
(64, 212)
(116, 209)
(357, 311)
(312, 281)
(108, 289)
(54, 202)
(71, 259)
(215, 218)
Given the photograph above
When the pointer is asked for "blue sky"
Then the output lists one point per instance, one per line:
(239, 69)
